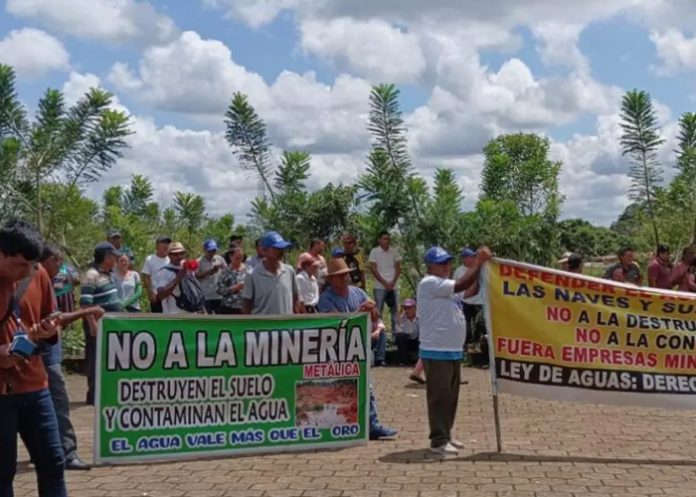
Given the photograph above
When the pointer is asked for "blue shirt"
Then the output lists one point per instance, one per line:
(331, 302)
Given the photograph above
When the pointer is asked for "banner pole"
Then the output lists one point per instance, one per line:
(484, 288)
(496, 419)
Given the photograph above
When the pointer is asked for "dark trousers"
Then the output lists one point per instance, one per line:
(156, 307)
(408, 348)
(61, 403)
(212, 306)
(90, 362)
(31, 415)
(442, 393)
(471, 313)
(229, 310)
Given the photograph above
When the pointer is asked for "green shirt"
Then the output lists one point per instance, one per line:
(98, 288)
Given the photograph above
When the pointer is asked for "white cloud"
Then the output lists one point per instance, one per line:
(190, 75)
(109, 20)
(675, 51)
(559, 45)
(33, 53)
(373, 48)
(198, 77)
(77, 85)
(255, 13)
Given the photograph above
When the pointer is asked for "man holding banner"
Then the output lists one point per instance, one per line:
(442, 337)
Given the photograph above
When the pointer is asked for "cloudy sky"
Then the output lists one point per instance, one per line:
(467, 69)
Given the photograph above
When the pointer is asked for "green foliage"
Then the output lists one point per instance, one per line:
(246, 134)
(580, 236)
(640, 141)
(76, 144)
(519, 176)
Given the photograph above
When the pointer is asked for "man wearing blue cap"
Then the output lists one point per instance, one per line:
(209, 266)
(471, 298)
(271, 288)
(442, 330)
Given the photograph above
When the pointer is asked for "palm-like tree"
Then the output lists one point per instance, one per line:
(640, 141)
(75, 145)
(246, 134)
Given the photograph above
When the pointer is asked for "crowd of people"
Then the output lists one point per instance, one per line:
(38, 300)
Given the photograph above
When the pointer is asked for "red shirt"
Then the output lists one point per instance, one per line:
(660, 273)
(37, 303)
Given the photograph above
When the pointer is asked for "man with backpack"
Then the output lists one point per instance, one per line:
(177, 287)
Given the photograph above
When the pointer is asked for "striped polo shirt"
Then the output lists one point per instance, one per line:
(98, 288)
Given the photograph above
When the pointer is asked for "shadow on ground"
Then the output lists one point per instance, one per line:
(424, 456)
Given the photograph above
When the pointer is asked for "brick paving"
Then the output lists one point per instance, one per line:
(550, 449)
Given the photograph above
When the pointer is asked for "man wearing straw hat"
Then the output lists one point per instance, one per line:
(340, 296)
(442, 331)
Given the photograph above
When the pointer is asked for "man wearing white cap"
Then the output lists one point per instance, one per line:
(442, 332)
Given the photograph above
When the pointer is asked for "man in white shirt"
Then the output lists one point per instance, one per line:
(168, 279)
(153, 263)
(316, 250)
(209, 266)
(442, 332)
(307, 283)
(385, 264)
(471, 298)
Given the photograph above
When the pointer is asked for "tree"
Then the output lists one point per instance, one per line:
(640, 141)
(190, 215)
(518, 168)
(389, 184)
(686, 164)
(73, 145)
(518, 174)
(246, 134)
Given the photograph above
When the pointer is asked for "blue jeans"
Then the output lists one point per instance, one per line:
(61, 403)
(31, 415)
(391, 298)
(379, 347)
(374, 417)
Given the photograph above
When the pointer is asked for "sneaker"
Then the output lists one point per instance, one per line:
(456, 444)
(445, 450)
(381, 432)
(417, 379)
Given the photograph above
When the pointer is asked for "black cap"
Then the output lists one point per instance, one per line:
(164, 239)
(103, 249)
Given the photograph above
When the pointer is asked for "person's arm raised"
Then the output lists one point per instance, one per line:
(471, 276)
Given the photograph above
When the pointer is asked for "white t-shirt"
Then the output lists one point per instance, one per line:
(441, 323)
(386, 264)
(308, 287)
(474, 299)
(209, 283)
(153, 263)
(161, 279)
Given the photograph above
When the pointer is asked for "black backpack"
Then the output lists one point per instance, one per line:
(191, 297)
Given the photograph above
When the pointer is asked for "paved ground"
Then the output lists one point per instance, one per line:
(549, 450)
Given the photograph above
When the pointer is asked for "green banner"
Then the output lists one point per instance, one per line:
(177, 387)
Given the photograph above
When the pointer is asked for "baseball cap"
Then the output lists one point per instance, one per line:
(338, 252)
(467, 252)
(409, 303)
(104, 248)
(437, 255)
(210, 246)
(272, 239)
(113, 233)
(164, 239)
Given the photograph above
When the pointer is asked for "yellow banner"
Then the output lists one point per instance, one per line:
(558, 335)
